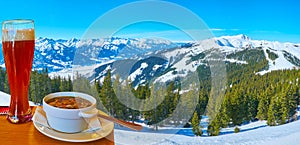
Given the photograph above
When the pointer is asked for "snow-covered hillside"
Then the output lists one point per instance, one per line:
(183, 60)
(253, 133)
(256, 133)
(288, 53)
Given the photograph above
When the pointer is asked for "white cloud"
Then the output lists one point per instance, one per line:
(217, 29)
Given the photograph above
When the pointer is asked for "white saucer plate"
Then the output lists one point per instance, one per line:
(106, 129)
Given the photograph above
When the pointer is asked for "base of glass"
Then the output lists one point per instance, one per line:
(19, 119)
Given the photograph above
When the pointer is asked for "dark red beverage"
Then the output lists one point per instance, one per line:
(18, 49)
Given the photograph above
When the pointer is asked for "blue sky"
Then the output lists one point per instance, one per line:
(259, 19)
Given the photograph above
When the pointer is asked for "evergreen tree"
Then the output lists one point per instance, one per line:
(263, 105)
(195, 125)
(223, 117)
(128, 96)
(284, 108)
(214, 127)
(203, 99)
(252, 105)
(2, 79)
(155, 115)
(292, 101)
(107, 95)
(272, 112)
(236, 130)
(70, 84)
(188, 104)
(120, 109)
(175, 115)
(33, 87)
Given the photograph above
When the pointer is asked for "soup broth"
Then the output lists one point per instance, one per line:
(68, 102)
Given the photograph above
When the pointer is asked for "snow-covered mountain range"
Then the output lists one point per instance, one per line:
(167, 64)
(61, 54)
(143, 59)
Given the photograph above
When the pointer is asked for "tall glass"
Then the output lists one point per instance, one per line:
(18, 42)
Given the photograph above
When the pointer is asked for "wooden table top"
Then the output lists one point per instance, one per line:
(26, 134)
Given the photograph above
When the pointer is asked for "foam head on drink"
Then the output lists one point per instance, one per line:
(18, 51)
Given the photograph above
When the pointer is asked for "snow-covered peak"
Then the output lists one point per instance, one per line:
(240, 37)
(237, 41)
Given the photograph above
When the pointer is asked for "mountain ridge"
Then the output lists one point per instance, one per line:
(187, 58)
(62, 56)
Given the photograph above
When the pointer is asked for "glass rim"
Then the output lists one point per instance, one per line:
(17, 21)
